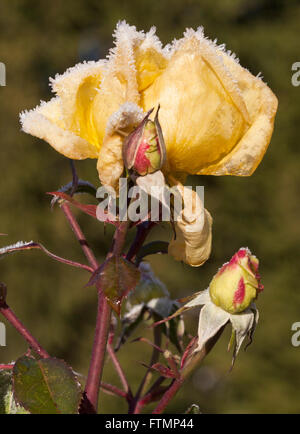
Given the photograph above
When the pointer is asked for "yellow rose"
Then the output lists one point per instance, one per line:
(216, 117)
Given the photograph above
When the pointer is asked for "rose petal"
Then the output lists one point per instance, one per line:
(45, 122)
(193, 231)
(199, 119)
(132, 64)
(110, 163)
(77, 89)
(154, 185)
(150, 60)
(262, 106)
(217, 118)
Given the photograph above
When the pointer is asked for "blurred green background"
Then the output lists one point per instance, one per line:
(39, 39)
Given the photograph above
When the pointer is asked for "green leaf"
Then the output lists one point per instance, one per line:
(46, 386)
(8, 404)
(116, 278)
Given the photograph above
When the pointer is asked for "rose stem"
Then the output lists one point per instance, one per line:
(109, 388)
(65, 261)
(185, 372)
(134, 407)
(92, 387)
(120, 372)
(16, 323)
(75, 178)
(91, 392)
(142, 232)
(79, 235)
(7, 367)
(153, 395)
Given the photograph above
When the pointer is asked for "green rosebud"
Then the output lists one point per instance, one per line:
(237, 283)
(144, 149)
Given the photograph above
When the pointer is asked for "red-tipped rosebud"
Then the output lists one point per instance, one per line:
(144, 149)
(237, 283)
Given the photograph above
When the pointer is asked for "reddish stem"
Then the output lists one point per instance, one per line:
(119, 238)
(134, 406)
(168, 356)
(187, 369)
(90, 400)
(119, 370)
(7, 367)
(169, 394)
(16, 323)
(79, 235)
(92, 386)
(151, 396)
(109, 388)
(65, 261)
(91, 392)
(147, 341)
(142, 232)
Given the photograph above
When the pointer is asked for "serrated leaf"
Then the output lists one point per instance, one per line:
(8, 404)
(45, 386)
(116, 278)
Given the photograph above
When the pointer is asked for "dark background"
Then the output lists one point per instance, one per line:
(39, 39)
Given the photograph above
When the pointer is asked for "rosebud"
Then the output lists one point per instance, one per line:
(237, 283)
(144, 149)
